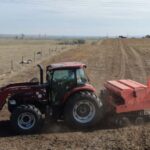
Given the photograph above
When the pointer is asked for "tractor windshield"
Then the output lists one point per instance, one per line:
(81, 76)
(64, 75)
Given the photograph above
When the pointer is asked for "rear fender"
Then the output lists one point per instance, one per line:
(69, 94)
(86, 87)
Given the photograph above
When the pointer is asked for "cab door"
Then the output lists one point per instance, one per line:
(62, 82)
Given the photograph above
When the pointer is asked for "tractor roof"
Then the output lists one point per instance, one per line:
(66, 65)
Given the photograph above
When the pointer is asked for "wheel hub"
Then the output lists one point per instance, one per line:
(84, 111)
(26, 121)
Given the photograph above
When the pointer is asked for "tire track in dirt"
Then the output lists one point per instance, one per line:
(117, 65)
(106, 61)
(111, 59)
(134, 61)
(139, 63)
(96, 64)
(123, 62)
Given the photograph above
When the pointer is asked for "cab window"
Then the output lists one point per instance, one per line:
(63, 80)
(81, 76)
(62, 75)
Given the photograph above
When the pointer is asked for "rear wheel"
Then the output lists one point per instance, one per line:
(83, 110)
(26, 119)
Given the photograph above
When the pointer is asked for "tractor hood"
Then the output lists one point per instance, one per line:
(21, 85)
(25, 87)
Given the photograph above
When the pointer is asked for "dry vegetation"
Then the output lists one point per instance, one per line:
(15, 49)
(107, 59)
(12, 51)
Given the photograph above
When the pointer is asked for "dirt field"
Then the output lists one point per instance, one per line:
(107, 59)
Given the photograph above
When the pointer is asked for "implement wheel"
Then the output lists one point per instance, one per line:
(139, 121)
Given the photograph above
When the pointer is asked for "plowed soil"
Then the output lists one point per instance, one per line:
(106, 59)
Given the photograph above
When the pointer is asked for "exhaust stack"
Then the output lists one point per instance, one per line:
(41, 73)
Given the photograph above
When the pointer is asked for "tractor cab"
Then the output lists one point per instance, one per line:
(62, 78)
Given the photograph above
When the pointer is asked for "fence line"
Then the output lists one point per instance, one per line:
(39, 53)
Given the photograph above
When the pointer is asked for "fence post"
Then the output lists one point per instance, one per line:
(41, 53)
(12, 65)
(34, 56)
(22, 60)
(49, 51)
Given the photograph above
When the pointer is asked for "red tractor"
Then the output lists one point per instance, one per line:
(66, 95)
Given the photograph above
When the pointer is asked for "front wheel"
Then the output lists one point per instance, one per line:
(26, 119)
(83, 110)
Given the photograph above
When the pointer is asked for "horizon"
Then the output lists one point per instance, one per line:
(48, 35)
(75, 17)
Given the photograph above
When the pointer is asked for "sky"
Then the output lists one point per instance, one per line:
(75, 17)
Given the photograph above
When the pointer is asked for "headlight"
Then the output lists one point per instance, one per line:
(12, 102)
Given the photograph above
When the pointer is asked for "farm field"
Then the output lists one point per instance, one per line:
(106, 60)
(13, 52)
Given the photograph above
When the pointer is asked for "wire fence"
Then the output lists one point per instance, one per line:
(37, 56)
